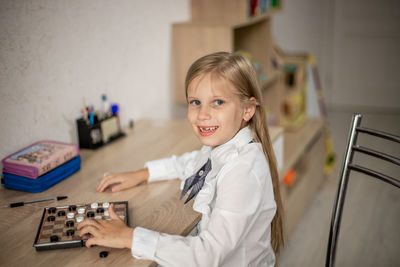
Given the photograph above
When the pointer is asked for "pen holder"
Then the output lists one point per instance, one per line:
(98, 134)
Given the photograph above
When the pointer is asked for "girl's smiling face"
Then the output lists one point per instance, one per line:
(215, 111)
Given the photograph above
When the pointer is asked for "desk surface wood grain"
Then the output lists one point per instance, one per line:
(155, 206)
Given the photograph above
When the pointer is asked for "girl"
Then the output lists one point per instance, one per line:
(233, 178)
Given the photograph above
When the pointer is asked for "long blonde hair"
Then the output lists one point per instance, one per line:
(240, 72)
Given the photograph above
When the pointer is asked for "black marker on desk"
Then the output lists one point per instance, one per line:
(18, 204)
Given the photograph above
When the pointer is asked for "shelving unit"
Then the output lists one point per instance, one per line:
(294, 90)
(230, 10)
(192, 40)
(272, 94)
(304, 152)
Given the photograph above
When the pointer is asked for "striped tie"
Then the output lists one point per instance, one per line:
(196, 181)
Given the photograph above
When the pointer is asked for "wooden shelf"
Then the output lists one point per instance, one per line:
(296, 143)
(192, 40)
(271, 90)
(304, 153)
(228, 11)
(271, 78)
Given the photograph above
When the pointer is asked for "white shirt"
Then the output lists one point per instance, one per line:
(236, 202)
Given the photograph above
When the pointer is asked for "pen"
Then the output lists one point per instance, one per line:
(18, 204)
(84, 111)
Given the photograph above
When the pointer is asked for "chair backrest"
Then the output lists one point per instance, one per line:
(349, 166)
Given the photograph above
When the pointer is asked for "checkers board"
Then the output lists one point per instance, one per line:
(58, 226)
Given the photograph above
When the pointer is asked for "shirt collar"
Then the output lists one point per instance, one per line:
(224, 152)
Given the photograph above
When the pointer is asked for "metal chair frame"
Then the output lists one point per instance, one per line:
(348, 166)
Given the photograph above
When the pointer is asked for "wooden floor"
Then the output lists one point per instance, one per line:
(370, 229)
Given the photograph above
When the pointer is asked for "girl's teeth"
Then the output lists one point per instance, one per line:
(207, 129)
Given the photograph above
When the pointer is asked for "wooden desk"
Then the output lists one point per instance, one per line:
(155, 206)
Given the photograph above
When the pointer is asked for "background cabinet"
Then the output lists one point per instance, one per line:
(195, 39)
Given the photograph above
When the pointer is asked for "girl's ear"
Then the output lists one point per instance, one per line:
(250, 108)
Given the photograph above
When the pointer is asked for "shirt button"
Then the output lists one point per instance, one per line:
(201, 172)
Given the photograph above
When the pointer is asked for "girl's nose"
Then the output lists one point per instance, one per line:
(204, 113)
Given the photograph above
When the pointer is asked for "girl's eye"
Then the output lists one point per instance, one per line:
(218, 102)
(194, 102)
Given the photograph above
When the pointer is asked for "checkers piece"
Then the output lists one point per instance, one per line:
(51, 218)
(81, 210)
(72, 208)
(79, 219)
(54, 238)
(52, 210)
(61, 213)
(103, 254)
(70, 232)
(90, 214)
(100, 210)
(69, 223)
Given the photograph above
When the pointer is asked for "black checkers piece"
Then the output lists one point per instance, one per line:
(69, 223)
(103, 254)
(61, 213)
(52, 210)
(54, 238)
(90, 214)
(70, 232)
(51, 218)
(72, 208)
(100, 210)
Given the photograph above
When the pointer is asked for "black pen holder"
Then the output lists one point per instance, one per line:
(98, 134)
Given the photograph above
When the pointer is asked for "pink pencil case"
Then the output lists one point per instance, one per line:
(39, 158)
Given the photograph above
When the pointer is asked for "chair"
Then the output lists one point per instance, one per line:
(348, 167)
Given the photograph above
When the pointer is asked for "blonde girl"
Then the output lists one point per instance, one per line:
(233, 179)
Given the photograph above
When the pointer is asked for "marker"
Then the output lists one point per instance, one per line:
(18, 204)
(91, 118)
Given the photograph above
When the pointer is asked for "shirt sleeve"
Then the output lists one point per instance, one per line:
(172, 167)
(239, 196)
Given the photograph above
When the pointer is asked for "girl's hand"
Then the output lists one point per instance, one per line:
(114, 233)
(122, 181)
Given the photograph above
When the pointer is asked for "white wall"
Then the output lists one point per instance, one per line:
(367, 54)
(356, 44)
(54, 53)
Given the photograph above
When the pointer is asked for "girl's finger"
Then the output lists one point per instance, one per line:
(94, 231)
(107, 182)
(92, 242)
(119, 187)
(112, 213)
(88, 222)
(103, 182)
